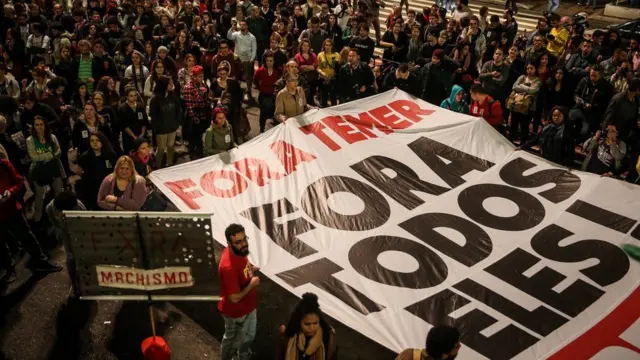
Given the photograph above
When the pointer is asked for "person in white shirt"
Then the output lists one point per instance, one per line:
(246, 49)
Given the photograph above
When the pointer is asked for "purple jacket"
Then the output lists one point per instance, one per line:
(131, 200)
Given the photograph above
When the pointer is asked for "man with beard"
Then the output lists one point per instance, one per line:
(238, 301)
(443, 342)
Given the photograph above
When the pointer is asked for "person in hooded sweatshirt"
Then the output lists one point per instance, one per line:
(437, 78)
(456, 102)
(219, 136)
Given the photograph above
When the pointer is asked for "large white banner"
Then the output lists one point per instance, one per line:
(401, 215)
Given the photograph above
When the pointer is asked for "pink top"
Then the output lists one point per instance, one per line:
(132, 198)
(312, 60)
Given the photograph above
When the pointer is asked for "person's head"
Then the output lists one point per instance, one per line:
(304, 47)
(558, 115)
(223, 71)
(237, 240)
(98, 99)
(363, 30)
(190, 60)
(57, 85)
(634, 87)
(188, 7)
(132, 96)
(281, 25)
(544, 60)
(613, 35)
(141, 147)
(403, 71)
(89, 110)
(498, 56)
(411, 15)
(537, 42)
(219, 116)
(162, 52)
(158, 68)
(99, 143)
(65, 201)
(633, 43)
(264, 3)
(618, 55)
(443, 342)
(22, 19)
(98, 47)
(314, 24)
(484, 11)
(291, 81)
(558, 74)
(170, 29)
(554, 19)
(437, 57)
(478, 93)
(333, 19)
(473, 22)
(612, 132)
(84, 46)
(197, 74)
(30, 100)
(397, 27)
(125, 169)
(307, 318)
(136, 58)
(268, 59)
(274, 42)
(594, 74)
(244, 27)
(354, 57)
(415, 32)
(37, 28)
(183, 37)
(223, 47)
(377, 72)
(292, 67)
(586, 47)
(40, 127)
(532, 70)
(327, 46)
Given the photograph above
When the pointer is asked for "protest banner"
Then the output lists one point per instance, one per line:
(401, 215)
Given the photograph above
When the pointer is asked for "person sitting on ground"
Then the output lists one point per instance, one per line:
(307, 335)
(443, 342)
(124, 189)
(219, 136)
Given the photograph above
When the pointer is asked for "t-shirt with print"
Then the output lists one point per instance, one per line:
(235, 274)
(41, 148)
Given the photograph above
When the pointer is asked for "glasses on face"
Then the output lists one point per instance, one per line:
(223, 48)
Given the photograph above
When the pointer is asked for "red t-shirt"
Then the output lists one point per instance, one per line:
(493, 117)
(235, 274)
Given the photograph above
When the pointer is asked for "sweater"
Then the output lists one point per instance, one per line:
(218, 138)
(266, 83)
(132, 198)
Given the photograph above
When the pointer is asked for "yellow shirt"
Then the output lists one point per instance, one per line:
(556, 46)
(327, 63)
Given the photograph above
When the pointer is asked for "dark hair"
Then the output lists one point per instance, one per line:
(441, 340)
(308, 305)
(563, 110)
(634, 85)
(364, 27)
(233, 230)
(477, 89)
(403, 68)
(66, 200)
(162, 84)
(57, 82)
(47, 131)
(106, 144)
(315, 20)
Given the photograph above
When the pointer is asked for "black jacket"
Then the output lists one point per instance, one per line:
(166, 114)
(81, 134)
(103, 66)
(437, 81)
(410, 85)
(352, 80)
(134, 120)
(598, 95)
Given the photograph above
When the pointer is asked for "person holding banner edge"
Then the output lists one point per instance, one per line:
(238, 300)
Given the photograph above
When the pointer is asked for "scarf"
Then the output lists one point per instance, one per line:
(314, 349)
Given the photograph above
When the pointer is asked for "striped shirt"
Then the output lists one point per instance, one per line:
(85, 70)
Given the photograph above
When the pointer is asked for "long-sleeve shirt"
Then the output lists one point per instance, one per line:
(195, 99)
(10, 180)
(561, 37)
(132, 198)
(246, 46)
(528, 86)
(265, 82)
(493, 85)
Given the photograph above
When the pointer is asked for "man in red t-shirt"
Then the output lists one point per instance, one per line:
(486, 107)
(238, 295)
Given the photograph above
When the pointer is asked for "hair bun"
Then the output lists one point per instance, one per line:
(310, 299)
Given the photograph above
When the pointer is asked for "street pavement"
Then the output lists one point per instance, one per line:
(38, 322)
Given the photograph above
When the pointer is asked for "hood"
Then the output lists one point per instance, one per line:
(454, 92)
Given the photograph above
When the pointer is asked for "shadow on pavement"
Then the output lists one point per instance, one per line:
(72, 323)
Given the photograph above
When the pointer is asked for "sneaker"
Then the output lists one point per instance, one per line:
(47, 267)
(9, 277)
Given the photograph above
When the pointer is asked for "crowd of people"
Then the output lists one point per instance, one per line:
(94, 96)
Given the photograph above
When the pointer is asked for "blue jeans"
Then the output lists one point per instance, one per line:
(553, 5)
(238, 336)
